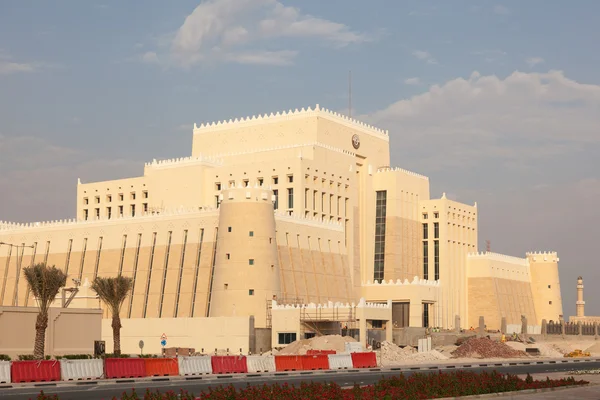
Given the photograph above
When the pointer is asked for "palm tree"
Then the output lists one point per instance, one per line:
(44, 282)
(113, 292)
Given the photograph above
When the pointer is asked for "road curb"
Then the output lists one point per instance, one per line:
(216, 377)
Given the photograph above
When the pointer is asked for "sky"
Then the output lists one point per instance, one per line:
(496, 101)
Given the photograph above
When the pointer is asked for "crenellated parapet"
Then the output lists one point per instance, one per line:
(539, 256)
(402, 170)
(184, 161)
(288, 115)
(399, 282)
(362, 303)
(500, 258)
(142, 217)
(310, 221)
(247, 193)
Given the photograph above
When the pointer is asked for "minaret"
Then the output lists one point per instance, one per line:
(580, 302)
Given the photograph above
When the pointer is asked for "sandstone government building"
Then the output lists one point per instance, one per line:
(292, 223)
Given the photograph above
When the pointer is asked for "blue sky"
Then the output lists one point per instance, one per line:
(496, 101)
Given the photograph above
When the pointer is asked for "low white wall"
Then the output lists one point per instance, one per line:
(208, 333)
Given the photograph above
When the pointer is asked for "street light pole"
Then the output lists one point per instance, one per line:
(23, 246)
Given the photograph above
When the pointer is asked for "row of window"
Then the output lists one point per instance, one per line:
(450, 216)
(323, 196)
(380, 225)
(108, 213)
(436, 259)
(121, 196)
(259, 181)
(436, 231)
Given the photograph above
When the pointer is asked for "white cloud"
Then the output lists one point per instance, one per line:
(9, 66)
(515, 120)
(284, 57)
(150, 57)
(501, 10)
(533, 61)
(235, 31)
(412, 81)
(425, 56)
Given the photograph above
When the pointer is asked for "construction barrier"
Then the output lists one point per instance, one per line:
(315, 362)
(340, 361)
(229, 364)
(198, 365)
(4, 371)
(35, 371)
(124, 368)
(364, 360)
(161, 366)
(319, 352)
(260, 363)
(74, 370)
(288, 363)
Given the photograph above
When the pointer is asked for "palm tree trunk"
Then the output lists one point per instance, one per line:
(41, 324)
(116, 325)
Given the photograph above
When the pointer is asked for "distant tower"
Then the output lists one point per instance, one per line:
(246, 270)
(580, 302)
(545, 286)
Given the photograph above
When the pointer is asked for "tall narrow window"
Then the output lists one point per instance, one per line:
(122, 254)
(436, 259)
(133, 210)
(436, 230)
(380, 215)
(85, 214)
(109, 212)
(426, 315)
(180, 278)
(197, 269)
(82, 259)
(425, 231)
(135, 266)
(149, 275)
(164, 277)
(68, 258)
(276, 194)
(290, 192)
(425, 260)
(98, 252)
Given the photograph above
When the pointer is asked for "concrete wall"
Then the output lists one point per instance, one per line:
(220, 333)
(70, 330)
(499, 286)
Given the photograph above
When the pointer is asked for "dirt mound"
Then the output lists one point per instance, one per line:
(390, 354)
(329, 342)
(486, 348)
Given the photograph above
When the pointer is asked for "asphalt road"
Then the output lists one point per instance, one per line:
(106, 391)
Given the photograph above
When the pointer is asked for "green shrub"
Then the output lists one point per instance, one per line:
(75, 357)
(29, 357)
(4, 357)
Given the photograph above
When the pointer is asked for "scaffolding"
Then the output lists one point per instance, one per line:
(285, 300)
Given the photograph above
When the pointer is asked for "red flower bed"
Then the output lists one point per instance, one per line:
(414, 387)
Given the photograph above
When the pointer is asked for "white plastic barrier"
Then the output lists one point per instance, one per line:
(260, 363)
(340, 361)
(353, 347)
(74, 370)
(195, 365)
(4, 371)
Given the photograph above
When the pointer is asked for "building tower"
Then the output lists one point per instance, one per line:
(545, 286)
(246, 270)
(580, 302)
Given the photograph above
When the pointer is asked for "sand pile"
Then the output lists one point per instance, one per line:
(548, 350)
(486, 348)
(593, 349)
(329, 342)
(390, 354)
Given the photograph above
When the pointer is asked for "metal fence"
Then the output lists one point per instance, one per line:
(553, 328)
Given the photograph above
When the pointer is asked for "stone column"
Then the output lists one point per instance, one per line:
(481, 330)
(523, 325)
(389, 326)
(362, 330)
(544, 328)
(503, 326)
(457, 324)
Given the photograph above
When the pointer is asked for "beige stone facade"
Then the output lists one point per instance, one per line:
(301, 207)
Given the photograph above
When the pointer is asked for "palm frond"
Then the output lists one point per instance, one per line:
(44, 282)
(112, 291)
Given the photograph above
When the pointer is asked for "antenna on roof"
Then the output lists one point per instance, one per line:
(349, 94)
